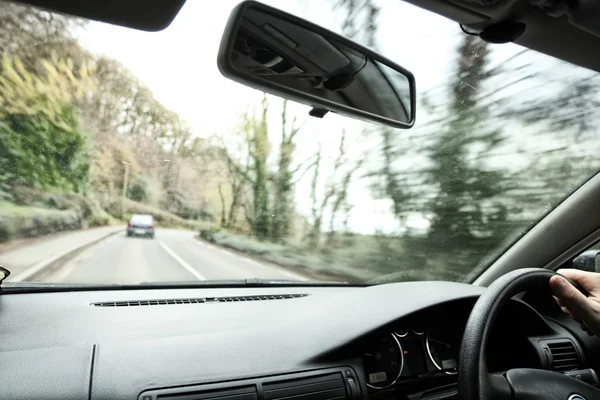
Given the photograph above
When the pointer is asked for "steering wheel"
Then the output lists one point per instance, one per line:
(474, 380)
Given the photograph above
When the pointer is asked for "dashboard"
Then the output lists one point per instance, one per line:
(394, 341)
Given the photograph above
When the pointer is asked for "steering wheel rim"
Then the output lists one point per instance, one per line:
(474, 380)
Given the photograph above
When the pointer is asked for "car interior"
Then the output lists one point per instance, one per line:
(500, 337)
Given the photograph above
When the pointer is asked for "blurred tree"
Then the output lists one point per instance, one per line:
(283, 206)
(257, 136)
(334, 190)
(138, 190)
(34, 34)
(40, 140)
(360, 20)
(468, 218)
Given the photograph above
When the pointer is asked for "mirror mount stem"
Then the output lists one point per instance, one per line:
(318, 112)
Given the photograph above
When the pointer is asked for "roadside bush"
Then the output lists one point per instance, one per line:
(17, 222)
(208, 234)
(88, 209)
(315, 264)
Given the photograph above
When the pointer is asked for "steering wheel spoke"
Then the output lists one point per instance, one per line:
(540, 384)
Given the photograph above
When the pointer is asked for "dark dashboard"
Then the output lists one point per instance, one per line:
(389, 341)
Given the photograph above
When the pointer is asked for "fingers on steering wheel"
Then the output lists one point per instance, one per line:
(585, 329)
(559, 302)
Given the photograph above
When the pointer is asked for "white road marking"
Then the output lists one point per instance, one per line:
(185, 265)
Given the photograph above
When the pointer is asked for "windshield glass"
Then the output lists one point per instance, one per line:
(99, 122)
(141, 219)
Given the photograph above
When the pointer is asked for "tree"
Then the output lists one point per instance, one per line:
(283, 206)
(138, 190)
(360, 20)
(34, 34)
(334, 189)
(468, 217)
(40, 139)
(257, 133)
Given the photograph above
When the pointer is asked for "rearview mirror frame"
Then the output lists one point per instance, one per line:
(587, 261)
(226, 68)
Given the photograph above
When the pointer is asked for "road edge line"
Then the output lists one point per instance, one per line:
(43, 265)
(181, 262)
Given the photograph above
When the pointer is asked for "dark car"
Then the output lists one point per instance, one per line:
(141, 225)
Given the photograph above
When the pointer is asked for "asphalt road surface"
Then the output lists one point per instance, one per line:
(173, 255)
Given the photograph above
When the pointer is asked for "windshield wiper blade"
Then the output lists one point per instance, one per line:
(33, 287)
(38, 287)
(250, 282)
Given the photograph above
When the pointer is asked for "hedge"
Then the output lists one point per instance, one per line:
(36, 213)
(17, 222)
(287, 256)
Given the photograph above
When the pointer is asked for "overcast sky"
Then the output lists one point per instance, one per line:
(179, 66)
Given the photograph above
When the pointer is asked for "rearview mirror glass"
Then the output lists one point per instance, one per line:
(281, 54)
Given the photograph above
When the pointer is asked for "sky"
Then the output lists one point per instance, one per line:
(179, 66)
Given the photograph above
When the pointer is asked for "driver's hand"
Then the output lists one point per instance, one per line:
(585, 310)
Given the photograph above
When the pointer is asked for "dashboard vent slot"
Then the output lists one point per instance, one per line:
(563, 355)
(240, 393)
(199, 300)
(323, 387)
(331, 384)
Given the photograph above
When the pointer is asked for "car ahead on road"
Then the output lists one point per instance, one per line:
(141, 225)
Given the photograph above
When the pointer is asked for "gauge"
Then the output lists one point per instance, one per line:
(383, 361)
(402, 332)
(418, 330)
(443, 344)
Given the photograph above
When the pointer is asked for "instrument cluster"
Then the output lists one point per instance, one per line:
(412, 350)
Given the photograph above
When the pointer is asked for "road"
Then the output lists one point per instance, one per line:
(174, 255)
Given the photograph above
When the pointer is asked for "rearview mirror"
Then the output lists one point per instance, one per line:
(281, 54)
(588, 261)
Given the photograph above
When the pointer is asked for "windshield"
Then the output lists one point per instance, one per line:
(99, 122)
(141, 219)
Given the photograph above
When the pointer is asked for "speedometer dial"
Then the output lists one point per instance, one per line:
(443, 344)
(383, 361)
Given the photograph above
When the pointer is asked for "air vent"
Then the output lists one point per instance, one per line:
(330, 384)
(563, 355)
(322, 387)
(240, 393)
(199, 300)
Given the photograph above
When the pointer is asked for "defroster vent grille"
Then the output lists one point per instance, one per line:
(198, 300)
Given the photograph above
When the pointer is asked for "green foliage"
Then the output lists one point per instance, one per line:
(283, 204)
(88, 210)
(108, 168)
(18, 222)
(138, 190)
(208, 234)
(468, 217)
(258, 139)
(39, 136)
(37, 153)
(45, 96)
